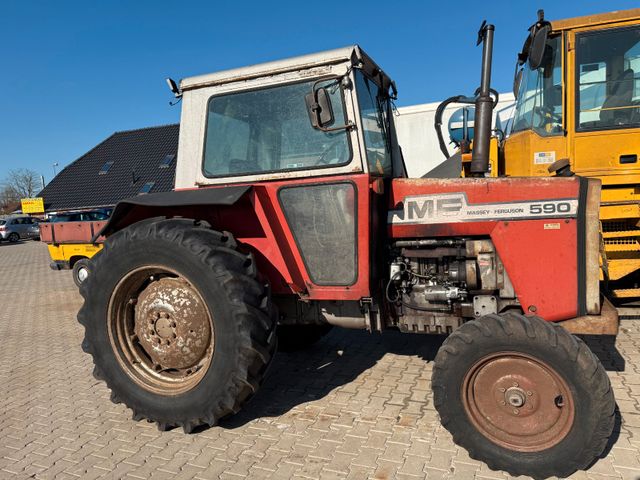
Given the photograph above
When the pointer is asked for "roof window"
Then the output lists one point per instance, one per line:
(105, 168)
(146, 188)
(167, 160)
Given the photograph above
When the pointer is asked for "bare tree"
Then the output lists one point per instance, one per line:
(25, 183)
(9, 199)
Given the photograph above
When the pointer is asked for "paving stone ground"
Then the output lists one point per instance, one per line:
(355, 406)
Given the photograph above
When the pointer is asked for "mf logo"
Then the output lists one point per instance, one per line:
(418, 209)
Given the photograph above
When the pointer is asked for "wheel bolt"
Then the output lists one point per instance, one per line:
(516, 411)
(502, 390)
(515, 384)
(529, 392)
(503, 402)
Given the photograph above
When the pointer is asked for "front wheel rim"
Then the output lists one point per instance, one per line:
(160, 330)
(83, 273)
(518, 401)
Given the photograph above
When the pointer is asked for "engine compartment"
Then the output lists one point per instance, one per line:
(435, 285)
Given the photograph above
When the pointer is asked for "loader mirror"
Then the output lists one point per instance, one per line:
(461, 125)
(319, 108)
(537, 46)
(517, 80)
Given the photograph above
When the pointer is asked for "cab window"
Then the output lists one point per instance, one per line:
(539, 104)
(268, 131)
(374, 113)
(608, 79)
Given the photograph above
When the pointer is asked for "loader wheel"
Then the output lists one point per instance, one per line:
(81, 271)
(292, 338)
(523, 395)
(178, 324)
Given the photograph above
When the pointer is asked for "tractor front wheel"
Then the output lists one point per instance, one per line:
(179, 326)
(523, 395)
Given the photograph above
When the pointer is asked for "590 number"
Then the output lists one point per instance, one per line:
(549, 208)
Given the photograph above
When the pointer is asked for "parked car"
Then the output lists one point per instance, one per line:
(88, 216)
(19, 227)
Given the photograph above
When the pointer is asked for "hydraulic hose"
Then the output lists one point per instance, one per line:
(438, 121)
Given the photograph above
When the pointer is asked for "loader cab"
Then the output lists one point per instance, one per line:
(580, 100)
(259, 123)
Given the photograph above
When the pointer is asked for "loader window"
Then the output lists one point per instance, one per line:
(539, 104)
(268, 131)
(608, 79)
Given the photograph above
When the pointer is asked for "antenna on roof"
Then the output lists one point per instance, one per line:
(173, 86)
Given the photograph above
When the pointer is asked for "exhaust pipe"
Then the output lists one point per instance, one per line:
(484, 106)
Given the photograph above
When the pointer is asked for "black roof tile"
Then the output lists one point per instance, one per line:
(136, 157)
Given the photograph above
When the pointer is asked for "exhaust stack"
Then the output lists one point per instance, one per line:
(484, 105)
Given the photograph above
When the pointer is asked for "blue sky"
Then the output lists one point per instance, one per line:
(72, 73)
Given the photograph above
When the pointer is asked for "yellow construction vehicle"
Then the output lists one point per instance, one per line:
(577, 88)
(578, 110)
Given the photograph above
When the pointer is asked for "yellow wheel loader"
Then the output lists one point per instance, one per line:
(577, 88)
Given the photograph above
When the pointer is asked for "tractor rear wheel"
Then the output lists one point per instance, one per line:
(292, 338)
(178, 324)
(523, 395)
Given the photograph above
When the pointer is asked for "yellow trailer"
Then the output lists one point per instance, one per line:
(71, 246)
(73, 256)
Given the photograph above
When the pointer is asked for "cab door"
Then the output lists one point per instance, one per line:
(606, 99)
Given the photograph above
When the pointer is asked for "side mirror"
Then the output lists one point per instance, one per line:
(319, 108)
(461, 125)
(537, 48)
(517, 80)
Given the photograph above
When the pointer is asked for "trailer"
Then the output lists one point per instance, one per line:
(72, 245)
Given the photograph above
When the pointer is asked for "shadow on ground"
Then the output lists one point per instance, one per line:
(339, 358)
(604, 347)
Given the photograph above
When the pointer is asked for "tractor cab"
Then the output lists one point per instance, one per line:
(322, 114)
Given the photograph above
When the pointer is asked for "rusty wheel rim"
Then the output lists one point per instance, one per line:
(160, 329)
(518, 402)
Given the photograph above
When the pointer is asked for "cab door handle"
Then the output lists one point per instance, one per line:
(629, 158)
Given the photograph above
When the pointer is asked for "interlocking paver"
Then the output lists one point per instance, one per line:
(355, 406)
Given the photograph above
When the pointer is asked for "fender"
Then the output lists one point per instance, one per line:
(141, 207)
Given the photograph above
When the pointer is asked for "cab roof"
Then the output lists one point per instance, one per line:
(352, 54)
(596, 19)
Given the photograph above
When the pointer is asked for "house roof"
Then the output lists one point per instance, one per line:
(136, 156)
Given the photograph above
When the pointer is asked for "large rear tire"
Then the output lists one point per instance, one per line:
(523, 395)
(178, 324)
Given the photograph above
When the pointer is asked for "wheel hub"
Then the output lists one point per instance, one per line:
(83, 274)
(512, 399)
(171, 324)
(516, 397)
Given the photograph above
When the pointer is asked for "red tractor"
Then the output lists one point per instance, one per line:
(292, 213)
